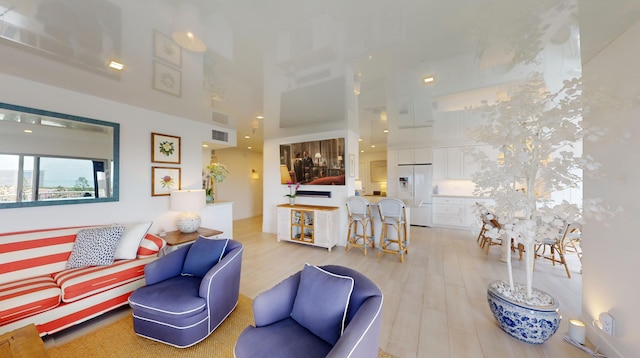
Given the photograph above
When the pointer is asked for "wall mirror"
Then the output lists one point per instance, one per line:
(319, 162)
(49, 158)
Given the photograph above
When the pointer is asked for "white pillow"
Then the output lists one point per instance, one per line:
(127, 248)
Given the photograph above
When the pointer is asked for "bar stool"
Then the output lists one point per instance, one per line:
(394, 237)
(360, 217)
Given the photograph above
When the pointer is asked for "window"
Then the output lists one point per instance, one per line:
(27, 178)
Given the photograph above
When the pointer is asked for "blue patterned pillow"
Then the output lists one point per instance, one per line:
(203, 255)
(321, 302)
(95, 246)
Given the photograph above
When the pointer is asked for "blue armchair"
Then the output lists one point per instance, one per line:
(291, 318)
(188, 292)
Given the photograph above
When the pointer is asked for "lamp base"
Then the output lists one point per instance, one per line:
(188, 222)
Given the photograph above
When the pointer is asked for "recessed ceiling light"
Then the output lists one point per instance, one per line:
(205, 146)
(428, 79)
(246, 137)
(370, 57)
(249, 147)
(116, 65)
(362, 151)
(386, 131)
(260, 117)
(359, 139)
(373, 146)
(28, 131)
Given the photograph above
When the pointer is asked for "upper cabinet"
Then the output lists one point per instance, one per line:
(447, 163)
(414, 156)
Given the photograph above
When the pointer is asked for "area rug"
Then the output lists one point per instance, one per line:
(119, 340)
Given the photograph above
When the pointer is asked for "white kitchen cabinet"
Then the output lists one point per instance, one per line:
(470, 163)
(414, 156)
(447, 163)
(308, 224)
(449, 212)
(458, 212)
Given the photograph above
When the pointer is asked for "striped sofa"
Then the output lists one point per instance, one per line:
(36, 287)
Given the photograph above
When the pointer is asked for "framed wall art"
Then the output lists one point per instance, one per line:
(164, 180)
(165, 148)
(166, 49)
(167, 79)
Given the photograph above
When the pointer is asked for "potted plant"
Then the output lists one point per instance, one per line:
(214, 173)
(535, 133)
(293, 192)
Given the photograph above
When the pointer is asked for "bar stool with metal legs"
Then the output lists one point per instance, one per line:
(394, 237)
(360, 233)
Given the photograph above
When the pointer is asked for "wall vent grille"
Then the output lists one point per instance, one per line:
(219, 135)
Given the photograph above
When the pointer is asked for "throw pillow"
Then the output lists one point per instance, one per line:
(321, 302)
(95, 246)
(203, 255)
(127, 248)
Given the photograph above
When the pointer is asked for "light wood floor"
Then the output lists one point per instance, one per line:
(434, 303)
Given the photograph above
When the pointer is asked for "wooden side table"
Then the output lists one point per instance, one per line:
(23, 342)
(175, 239)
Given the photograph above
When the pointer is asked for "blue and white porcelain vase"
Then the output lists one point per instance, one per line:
(530, 323)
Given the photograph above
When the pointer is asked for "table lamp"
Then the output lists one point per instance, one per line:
(188, 202)
(318, 156)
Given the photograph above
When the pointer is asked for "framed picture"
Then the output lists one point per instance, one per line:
(352, 165)
(164, 180)
(165, 148)
(166, 49)
(167, 79)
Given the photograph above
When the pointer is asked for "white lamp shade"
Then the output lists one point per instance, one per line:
(188, 31)
(318, 155)
(358, 184)
(188, 200)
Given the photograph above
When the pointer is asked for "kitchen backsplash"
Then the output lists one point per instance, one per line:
(454, 187)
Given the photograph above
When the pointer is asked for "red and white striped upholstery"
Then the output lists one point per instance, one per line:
(36, 288)
(27, 297)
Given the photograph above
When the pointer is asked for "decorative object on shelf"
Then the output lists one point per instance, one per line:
(165, 148)
(164, 180)
(214, 173)
(188, 202)
(166, 49)
(534, 132)
(292, 192)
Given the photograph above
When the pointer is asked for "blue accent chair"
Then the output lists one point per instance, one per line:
(277, 333)
(179, 309)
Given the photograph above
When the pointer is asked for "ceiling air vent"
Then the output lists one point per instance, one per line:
(220, 117)
(219, 135)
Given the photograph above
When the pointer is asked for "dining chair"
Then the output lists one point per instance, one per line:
(556, 246)
(360, 232)
(394, 236)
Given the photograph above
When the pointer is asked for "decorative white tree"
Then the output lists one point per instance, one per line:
(535, 133)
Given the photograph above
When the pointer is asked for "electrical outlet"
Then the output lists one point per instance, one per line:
(607, 323)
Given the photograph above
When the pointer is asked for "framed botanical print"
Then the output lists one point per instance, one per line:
(165, 148)
(167, 79)
(166, 49)
(164, 180)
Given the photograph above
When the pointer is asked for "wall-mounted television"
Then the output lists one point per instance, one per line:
(319, 162)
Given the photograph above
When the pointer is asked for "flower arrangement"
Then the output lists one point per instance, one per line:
(292, 192)
(215, 173)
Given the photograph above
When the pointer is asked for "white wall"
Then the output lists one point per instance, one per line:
(136, 124)
(610, 262)
(246, 193)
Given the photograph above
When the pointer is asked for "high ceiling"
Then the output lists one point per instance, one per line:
(470, 46)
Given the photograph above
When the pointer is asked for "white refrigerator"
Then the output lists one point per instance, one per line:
(414, 188)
